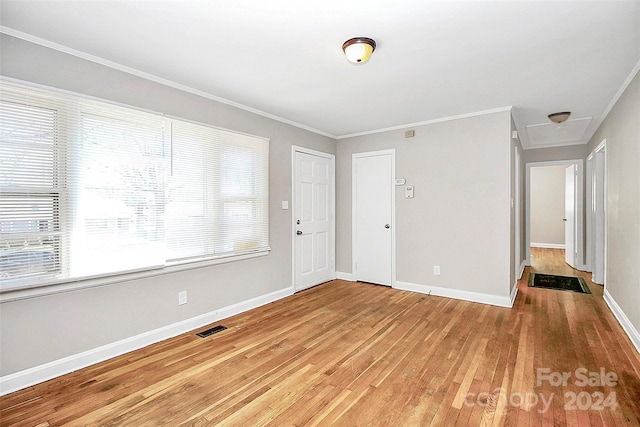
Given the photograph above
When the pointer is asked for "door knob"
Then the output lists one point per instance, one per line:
(298, 232)
(387, 226)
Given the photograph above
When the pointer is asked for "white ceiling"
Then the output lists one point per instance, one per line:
(434, 60)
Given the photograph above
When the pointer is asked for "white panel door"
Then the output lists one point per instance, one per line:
(313, 220)
(373, 217)
(570, 216)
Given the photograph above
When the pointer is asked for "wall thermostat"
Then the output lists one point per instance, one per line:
(408, 192)
(400, 181)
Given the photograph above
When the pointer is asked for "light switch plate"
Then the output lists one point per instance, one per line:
(285, 204)
(182, 297)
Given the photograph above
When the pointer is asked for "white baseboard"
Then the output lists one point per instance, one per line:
(624, 321)
(28, 377)
(345, 276)
(522, 267)
(548, 245)
(514, 294)
(514, 289)
(499, 301)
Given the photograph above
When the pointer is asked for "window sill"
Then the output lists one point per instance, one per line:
(17, 292)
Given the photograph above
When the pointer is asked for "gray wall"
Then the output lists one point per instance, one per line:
(547, 204)
(571, 152)
(621, 128)
(42, 329)
(460, 217)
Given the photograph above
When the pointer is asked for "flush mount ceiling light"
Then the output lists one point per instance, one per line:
(358, 50)
(559, 117)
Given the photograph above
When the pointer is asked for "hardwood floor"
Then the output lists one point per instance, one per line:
(551, 261)
(357, 354)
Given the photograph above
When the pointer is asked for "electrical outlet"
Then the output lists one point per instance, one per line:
(436, 270)
(182, 297)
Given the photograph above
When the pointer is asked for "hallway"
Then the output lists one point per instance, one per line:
(551, 261)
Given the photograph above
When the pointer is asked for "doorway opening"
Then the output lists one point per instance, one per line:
(565, 227)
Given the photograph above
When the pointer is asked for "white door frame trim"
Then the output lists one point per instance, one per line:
(332, 157)
(580, 235)
(518, 270)
(588, 218)
(601, 149)
(354, 258)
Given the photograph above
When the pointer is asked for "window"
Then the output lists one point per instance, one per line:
(117, 197)
(217, 201)
(89, 189)
(30, 197)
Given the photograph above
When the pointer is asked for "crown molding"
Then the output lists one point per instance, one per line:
(426, 122)
(619, 93)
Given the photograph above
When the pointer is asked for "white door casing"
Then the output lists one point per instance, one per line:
(570, 216)
(599, 214)
(589, 212)
(517, 225)
(313, 218)
(374, 217)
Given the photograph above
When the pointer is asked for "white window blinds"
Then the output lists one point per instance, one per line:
(88, 188)
(29, 191)
(118, 193)
(217, 193)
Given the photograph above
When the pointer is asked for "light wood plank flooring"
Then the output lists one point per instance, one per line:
(356, 354)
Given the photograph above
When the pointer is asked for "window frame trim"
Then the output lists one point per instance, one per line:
(20, 292)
